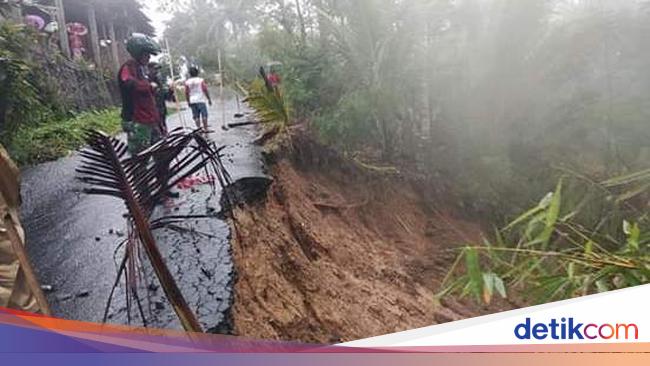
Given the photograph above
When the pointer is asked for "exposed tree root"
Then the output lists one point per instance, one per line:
(376, 169)
(267, 136)
(333, 206)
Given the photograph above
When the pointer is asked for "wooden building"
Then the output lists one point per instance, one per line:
(106, 23)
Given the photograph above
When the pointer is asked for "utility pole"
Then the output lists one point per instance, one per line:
(115, 55)
(63, 29)
(171, 62)
(94, 35)
(171, 74)
(223, 102)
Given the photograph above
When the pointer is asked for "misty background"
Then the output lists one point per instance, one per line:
(494, 97)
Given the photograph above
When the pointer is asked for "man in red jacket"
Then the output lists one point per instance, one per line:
(140, 116)
(141, 119)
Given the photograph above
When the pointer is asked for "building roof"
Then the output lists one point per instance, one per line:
(125, 14)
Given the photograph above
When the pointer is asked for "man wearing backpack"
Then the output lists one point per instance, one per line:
(141, 119)
(140, 116)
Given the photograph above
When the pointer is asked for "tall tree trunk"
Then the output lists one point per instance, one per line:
(323, 30)
(282, 17)
(301, 20)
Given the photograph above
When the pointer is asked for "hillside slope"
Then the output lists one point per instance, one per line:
(336, 253)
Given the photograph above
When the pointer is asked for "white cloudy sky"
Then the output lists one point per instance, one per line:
(157, 17)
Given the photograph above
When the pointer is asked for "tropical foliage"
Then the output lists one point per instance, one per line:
(269, 103)
(50, 141)
(496, 99)
(20, 100)
(489, 94)
(570, 245)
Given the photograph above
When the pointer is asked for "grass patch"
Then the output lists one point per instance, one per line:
(53, 140)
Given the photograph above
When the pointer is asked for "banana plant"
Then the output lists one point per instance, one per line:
(141, 181)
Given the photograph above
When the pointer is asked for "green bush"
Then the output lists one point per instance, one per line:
(583, 238)
(22, 100)
(50, 141)
(269, 105)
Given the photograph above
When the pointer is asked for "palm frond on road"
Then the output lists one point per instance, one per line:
(141, 181)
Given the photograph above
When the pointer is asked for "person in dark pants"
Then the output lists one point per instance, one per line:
(162, 94)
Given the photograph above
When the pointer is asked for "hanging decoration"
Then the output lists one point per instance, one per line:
(76, 33)
(35, 21)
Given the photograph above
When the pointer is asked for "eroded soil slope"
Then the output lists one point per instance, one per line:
(337, 254)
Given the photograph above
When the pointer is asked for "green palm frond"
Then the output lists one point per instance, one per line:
(269, 102)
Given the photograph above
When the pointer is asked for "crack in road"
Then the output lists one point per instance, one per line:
(72, 237)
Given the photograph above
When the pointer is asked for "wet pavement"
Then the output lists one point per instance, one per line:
(72, 238)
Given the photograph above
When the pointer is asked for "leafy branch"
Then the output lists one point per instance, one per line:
(548, 254)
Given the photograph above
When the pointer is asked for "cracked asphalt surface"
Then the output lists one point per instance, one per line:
(72, 237)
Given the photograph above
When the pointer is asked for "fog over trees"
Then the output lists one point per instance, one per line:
(495, 100)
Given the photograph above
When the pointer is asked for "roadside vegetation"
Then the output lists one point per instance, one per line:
(498, 100)
(25, 99)
(583, 238)
(56, 139)
(35, 125)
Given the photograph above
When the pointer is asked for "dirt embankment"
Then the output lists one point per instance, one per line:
(336, 253)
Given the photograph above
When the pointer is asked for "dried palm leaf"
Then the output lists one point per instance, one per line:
(141, 181)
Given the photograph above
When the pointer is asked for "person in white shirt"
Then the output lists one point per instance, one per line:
(197, 93)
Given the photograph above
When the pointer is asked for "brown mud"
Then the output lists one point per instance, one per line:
(336, 252)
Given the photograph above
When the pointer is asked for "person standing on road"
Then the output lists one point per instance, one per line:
(162, 93)
(197, 93)
(140, 117)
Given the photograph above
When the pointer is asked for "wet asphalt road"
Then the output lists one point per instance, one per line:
(72, 238)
